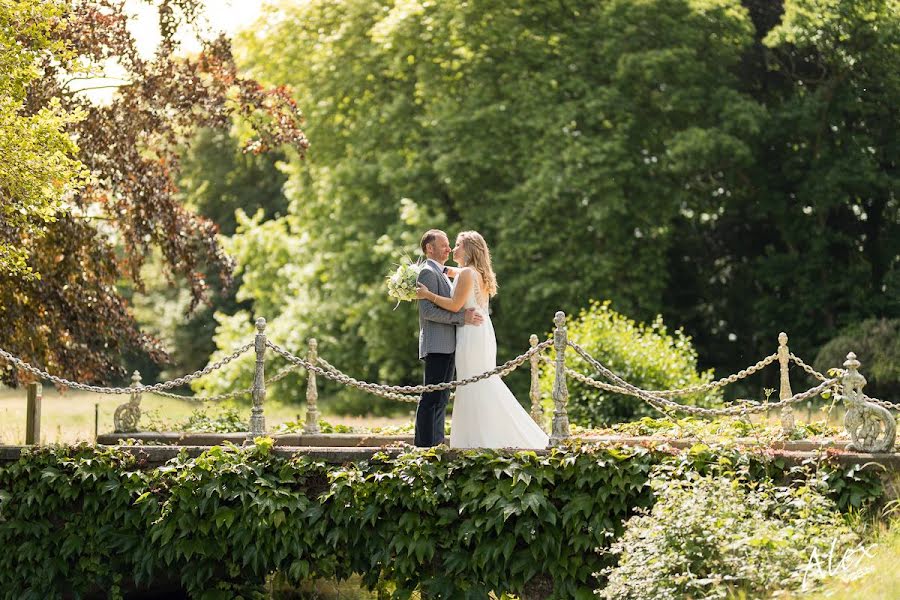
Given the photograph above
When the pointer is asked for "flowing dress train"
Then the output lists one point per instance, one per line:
(486, 414)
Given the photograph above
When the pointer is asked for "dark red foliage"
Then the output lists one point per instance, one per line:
(73, 320)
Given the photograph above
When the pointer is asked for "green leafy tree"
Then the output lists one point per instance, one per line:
(728, 165)
(876, 342)
(563, 132)
(217, 178)
(90, 258)
(38, 168)
(806, 240)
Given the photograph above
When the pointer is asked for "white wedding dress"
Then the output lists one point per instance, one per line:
(485, 413)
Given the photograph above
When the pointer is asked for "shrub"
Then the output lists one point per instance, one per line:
(203, 419)
(647, 356)
(710, 535)
(86, 520)
(453, 524)
(724, 429)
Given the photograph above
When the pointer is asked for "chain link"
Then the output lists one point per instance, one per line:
(389, 395)
(882, 403)
(712, 385)
(809, 370)
(377, 388)
(217, 398)
(587, 380)
(229, 395)
(661, 403)
(703, 387)
(126, 390)
(821, 377)
(656, 398)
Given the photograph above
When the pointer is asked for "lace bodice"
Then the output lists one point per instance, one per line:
(473, 301)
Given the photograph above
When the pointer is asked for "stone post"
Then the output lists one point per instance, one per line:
(128, 415)
(312, 392)
(872, 428)
(537, 412)
(784, 361)
(560, 430)
(33, 414)
(257, 420)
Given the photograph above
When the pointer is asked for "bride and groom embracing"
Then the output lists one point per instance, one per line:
(456, 334)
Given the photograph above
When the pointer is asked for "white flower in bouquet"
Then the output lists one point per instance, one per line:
(401, 283)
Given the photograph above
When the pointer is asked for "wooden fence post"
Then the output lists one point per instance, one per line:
(33, 414)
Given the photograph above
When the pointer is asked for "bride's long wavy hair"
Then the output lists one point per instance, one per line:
(478, 257)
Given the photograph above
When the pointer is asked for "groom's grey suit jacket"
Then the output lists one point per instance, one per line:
(437, 327)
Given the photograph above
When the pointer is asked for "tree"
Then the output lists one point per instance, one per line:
(37, 164)
(216, 179)
(728, 165)
(807, 239)
(563, 132)
(876, 342)
(75, 321)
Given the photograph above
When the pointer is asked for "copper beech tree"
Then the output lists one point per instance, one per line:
(72, 319)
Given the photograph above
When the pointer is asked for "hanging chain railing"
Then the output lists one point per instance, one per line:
(126, 390)
(381, 389)
(337, 375)
(868, 420)
(662, 403)
(815, 374)
(695, 389)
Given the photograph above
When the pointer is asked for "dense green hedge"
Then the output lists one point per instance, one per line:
(83, 519)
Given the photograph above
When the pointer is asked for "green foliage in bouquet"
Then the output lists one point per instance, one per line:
(401, 283)
(648, 356)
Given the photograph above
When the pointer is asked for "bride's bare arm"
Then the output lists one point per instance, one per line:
(460, 292)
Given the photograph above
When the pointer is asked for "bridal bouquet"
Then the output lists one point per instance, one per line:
(401, 283)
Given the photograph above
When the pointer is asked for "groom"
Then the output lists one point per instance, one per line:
(437, 338)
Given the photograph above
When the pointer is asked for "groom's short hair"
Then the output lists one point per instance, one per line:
(429, 237)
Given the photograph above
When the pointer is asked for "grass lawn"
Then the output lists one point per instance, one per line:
(69, 417)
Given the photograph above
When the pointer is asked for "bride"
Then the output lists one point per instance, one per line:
(485, 413)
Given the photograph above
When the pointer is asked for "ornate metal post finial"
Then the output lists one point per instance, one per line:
(257, 420)
(872, 428)
(127, 416)
(537, 412)
(312, 393)
(784, 361)
(560, 430)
